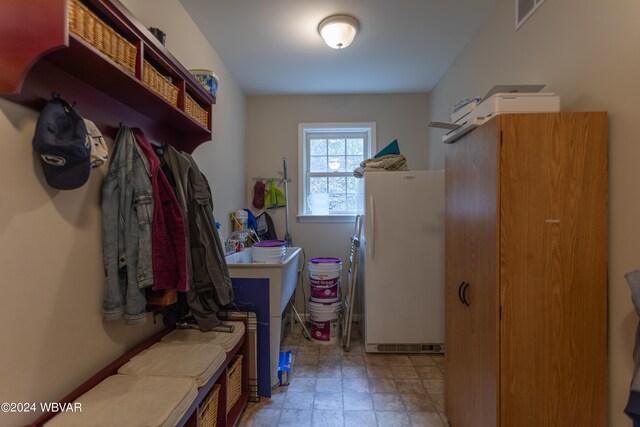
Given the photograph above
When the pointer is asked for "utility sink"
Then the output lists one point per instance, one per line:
(283, 278)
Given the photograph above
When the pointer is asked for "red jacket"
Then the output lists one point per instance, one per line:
(168, 241)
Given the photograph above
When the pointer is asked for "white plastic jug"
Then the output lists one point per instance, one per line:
(318, 203)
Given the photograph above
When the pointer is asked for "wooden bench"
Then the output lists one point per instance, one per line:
(190, 419)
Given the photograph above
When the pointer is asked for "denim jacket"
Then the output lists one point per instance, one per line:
(127, 212)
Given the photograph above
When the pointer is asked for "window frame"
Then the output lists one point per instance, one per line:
(304, 129)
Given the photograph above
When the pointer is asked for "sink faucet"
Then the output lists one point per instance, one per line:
(239, 236)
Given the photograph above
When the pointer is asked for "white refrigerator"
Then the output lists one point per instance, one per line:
(403, 257)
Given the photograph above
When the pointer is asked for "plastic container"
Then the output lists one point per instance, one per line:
(324, 268)
(270, 243)
(325, 325)
(271, 256)
(325, 294)
(208, 79)
(324, 271)
(324, 278)
(268, 251)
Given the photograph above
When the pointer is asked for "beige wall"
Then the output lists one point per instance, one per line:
(588, 52)
(272, 133)
(50, 245)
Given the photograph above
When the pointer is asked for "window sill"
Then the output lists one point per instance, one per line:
(327, 218)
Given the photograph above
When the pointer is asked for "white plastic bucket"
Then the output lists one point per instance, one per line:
(325, 294)
(324, 278)
(269, 256)
(324, 271)
(325, 322)
(268, 251)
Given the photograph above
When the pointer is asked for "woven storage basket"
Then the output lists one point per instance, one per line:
(198, 113)
(208, 409)
(159, 84)
(234, 382)
(89, 27)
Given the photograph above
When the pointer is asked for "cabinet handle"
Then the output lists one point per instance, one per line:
(460, 292)
(370, 222)
(464, 294)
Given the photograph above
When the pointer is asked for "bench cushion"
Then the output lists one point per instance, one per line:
(225, 339)
(194, 360)
(132, 401)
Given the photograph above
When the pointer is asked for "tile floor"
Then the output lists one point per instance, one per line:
(331, 387)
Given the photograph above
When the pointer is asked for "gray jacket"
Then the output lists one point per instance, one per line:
(210, 284)
(633, 403)
(127, 213)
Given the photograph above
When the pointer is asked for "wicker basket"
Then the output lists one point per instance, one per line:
(159, 84)
(89, 27)
(208, 409)
(234, 382)
(194, 110)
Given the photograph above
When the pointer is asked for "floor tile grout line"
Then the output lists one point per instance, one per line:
(332, 357)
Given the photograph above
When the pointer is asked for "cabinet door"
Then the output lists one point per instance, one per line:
(554, 270)
(471, 331)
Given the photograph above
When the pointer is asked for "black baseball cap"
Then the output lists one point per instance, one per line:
(61, 141)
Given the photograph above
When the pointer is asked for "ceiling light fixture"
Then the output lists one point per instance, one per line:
(338, 31)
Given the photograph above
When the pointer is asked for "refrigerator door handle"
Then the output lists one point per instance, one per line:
(371, 228)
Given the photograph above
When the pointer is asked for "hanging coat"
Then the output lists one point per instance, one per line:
(168, 243)
(210, 284)
(633, 403)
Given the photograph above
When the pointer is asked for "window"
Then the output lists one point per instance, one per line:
(328, 154)
(524, 10)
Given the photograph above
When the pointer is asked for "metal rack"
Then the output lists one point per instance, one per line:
(287, 236)
(278, 180)
(285, 179)
(350, 292)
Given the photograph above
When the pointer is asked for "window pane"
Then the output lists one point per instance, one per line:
(352, 185)
(317, 185)
(337, 164)
(318, 164)
(337, 185)
(337, 203)
(331, 156)
(351, 204)
(336, 146)
(353, 162)
(355, 146)
(318, 147)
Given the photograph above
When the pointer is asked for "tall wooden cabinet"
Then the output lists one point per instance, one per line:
(526, 272)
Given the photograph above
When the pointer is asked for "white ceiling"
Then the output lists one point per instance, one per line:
(273, 47)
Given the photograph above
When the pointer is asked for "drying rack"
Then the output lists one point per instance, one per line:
(350, 292)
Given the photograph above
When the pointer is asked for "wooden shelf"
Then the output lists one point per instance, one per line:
(42, 56)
